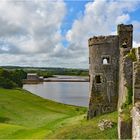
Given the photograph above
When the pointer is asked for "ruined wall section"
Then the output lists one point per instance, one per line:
(125, 33)
(125, 78)
(136, 77)
(136, 98)
(136, 122)
(103, 77)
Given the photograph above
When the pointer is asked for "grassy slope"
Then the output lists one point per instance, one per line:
(24, 115)
(84, 129)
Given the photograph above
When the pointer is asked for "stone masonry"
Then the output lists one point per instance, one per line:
(114, 70)
(136, 98)
(105, 53)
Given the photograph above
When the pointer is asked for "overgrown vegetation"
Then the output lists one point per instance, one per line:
(127, 106)
(128, 98)
(129, 95)
(132, 54)
(126, 113)
(11, 79)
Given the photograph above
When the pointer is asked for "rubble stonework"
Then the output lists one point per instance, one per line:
(105, 124)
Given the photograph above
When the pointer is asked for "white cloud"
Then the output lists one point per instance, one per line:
(34, 25)
(30, 31)
(100, 18)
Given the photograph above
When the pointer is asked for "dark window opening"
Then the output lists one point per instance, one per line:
(95, 113)
(98, 79)
(124, 45)
(105, 60)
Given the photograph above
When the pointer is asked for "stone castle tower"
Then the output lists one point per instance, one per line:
(105, 57)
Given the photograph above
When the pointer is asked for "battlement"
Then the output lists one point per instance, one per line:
(101, 39)
(122, 27)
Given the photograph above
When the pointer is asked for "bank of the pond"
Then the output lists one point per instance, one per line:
(24, 115)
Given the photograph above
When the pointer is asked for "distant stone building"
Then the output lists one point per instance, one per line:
(32, 78)
(106, 62)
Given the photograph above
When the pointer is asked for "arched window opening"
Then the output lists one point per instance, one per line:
(105, 60)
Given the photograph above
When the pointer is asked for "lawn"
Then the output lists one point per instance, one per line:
(84, 129)
(27, 116)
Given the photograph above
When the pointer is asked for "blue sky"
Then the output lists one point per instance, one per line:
(55, 33)
(74, 10)
(135, 15)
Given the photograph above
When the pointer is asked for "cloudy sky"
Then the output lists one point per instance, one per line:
(54, 33)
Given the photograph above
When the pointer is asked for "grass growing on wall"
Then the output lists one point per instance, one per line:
(129, 95)
(132, 54)
(127, 106)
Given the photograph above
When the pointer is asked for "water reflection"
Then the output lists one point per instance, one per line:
(74, 93)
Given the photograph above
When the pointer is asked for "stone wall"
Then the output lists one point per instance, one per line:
(125, 89)
(106, 78)
(136, 121)
(136, 80)
(125, 128)
(103, 77)
(125, 82)
(125, 33)
(118, 80)
(125, 77)
(136, 99)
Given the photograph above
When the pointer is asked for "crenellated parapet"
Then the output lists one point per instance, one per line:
(127, 28)
(101, 39)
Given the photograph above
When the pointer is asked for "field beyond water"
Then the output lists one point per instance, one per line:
(27, 116)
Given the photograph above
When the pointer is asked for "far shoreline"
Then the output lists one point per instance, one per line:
(58, 78)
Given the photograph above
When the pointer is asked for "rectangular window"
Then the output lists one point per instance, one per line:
(98, 79)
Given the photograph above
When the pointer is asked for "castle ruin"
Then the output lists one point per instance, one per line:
(104, 64)
(114, 70)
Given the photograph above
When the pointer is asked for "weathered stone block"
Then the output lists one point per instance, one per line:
(136, 122)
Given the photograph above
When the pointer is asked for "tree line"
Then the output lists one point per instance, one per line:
(11, 79)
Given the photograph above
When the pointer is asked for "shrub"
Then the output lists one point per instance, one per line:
(6, 83)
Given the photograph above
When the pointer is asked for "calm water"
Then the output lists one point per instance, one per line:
(74, 93)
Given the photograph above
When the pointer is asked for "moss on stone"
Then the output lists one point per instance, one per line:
(128, 98)
(126, 113)
(129, 95)
(132, 55)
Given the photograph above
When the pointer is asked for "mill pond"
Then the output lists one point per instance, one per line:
(73, 93)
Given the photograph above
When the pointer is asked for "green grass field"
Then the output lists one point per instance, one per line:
(27, 116)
